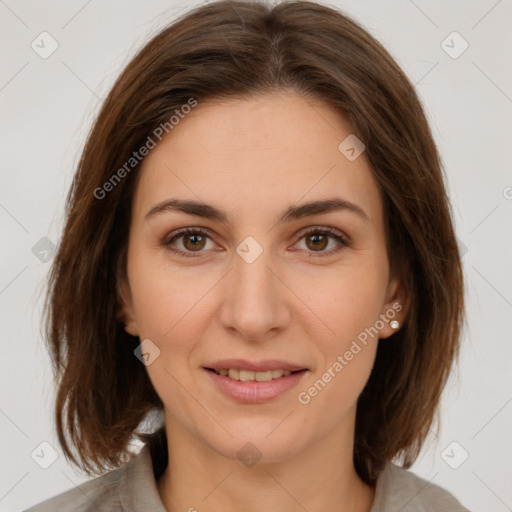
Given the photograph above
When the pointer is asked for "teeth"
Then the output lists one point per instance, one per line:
(263, 376)
(234, 374)
(247, 375)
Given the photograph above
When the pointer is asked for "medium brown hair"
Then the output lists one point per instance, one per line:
(229, 49)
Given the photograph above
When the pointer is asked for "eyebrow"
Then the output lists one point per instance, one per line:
(200, 209)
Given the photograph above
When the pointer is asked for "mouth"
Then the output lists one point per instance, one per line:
(249, 375)
(248, 386)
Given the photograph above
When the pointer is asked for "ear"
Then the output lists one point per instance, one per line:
(395, 307)
(125, 312)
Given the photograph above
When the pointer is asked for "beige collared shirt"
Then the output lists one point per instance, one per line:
(133, 488)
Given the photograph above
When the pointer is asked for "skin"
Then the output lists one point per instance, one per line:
(254, 157)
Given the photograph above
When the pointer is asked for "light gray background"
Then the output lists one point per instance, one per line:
(47, 107)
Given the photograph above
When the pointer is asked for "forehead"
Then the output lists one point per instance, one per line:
(263, 151)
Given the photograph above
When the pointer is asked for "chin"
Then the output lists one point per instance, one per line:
(264, 441)
(256, 450)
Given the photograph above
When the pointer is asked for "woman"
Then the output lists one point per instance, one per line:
(259, 247)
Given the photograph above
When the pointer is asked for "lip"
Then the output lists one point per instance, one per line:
(255, 366)
(255, 392)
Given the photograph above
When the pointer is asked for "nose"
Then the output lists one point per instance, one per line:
(255, 300)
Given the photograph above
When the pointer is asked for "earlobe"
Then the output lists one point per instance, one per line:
(131, 328)
(395, 309)
(125, 314)
(395, 324)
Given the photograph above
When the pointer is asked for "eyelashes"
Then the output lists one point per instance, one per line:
(200, 235)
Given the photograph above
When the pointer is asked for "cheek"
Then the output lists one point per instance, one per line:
(173, 309)
(344, 299)
(331, 395)
(348, 301)
(165, 297)
(346, 358)
(170, 311)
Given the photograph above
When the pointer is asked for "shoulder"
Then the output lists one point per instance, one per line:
(400, 489)
(101, 493)
(106, 492)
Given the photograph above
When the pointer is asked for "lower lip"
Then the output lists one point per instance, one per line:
(255, 392)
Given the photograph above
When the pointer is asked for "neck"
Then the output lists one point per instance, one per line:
(320, 477)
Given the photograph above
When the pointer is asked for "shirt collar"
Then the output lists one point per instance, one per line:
(138, 490)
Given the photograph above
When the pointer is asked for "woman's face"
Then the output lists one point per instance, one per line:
(250, 283)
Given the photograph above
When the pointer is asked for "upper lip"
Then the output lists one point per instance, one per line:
(255, 366)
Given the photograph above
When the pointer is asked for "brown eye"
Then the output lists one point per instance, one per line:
(189, 242)
(318, 242)
(194, 242)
